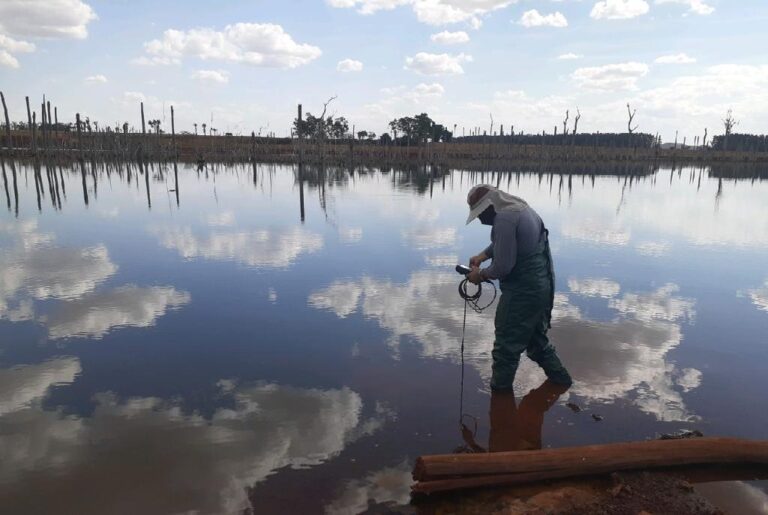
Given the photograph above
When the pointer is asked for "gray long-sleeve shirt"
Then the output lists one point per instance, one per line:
(515, 234)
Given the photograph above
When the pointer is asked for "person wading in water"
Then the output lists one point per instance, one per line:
(522, 263)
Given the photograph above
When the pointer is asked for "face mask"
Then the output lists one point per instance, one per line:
(487, 216)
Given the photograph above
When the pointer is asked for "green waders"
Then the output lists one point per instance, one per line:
(523, 318)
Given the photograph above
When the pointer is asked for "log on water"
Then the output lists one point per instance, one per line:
(457, 471)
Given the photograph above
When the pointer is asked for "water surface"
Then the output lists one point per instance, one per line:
(232, 337)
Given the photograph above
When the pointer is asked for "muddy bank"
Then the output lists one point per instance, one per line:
(619, 494)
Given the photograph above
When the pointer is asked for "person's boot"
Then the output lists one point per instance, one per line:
(559, 375)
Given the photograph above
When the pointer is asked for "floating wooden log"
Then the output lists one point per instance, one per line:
(462, 471)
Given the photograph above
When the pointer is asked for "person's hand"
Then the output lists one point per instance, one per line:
(476, 261)
(474, 276)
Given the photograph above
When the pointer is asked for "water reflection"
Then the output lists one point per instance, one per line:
(653, 248)
(390, 486)
(424, 238)
(516, 427)
(22, 385)
(624, 358)
(95, 315)
(589, 287)
(759, 297)
(260, 248)
(151, 457)
(34, 267)
(597, 230)
(359, 304)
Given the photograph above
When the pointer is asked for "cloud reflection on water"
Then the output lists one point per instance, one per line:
(258, 248)
(625, 357)
(604, 288)
(759, 297)
(35, 268)
(95, 315)
(391, 485)
(21, 385)
(424, 237)
(154, 458)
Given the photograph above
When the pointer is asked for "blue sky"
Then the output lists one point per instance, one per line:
(681, 63)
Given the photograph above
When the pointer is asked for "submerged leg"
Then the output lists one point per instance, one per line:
(515, 322)
(544, 354)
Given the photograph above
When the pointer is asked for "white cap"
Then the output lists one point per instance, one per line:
(481, 204)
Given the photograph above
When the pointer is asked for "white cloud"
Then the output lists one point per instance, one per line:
(10, 46)
(604, 288)
(155, 60)
(399, 99)
(431, 12)
(368, 6)
(340, 297)
(129, 101)
(569, 56)
(423, 238)
(437, 64)
(7, 60)
(619, 9)
(675, 59)
(350, 234)
(695, 6)
(259, 429)
(223, 219)
(428, 90)
(20, 386)
(516, 104)
(387, 486)
(442, 260)
(14, 45)
(703, 99)
(596, 230)
(261, 248)
(36, 269)
(94, 315)
(96, 79)
(653, 248)
(450, 38)
(219, 76)
(443, 12)
(258, 44)
(349, 65)
(533, 18)
(621, 76)
(660, 304)
(759, 297)
(46, 18)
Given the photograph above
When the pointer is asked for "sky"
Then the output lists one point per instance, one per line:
(244, 66)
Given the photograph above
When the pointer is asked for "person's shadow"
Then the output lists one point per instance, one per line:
(516, 427)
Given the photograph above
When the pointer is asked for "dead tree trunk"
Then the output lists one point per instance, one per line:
(29, 125)
(43, 128)
(576, 121)
(48, 119)
(565, 122)
(143, 131)
(173, 135)
(631, 114)
(79, 136)
(34, 133)
(8, 143)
